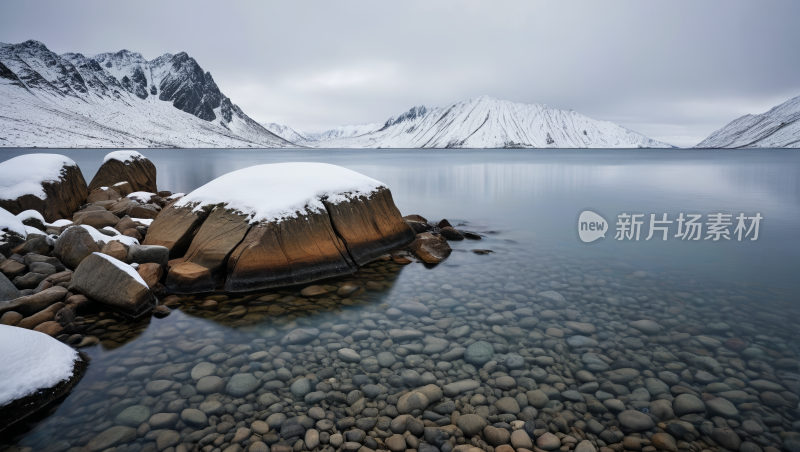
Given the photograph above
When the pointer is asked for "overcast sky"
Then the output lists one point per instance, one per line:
(672, 70)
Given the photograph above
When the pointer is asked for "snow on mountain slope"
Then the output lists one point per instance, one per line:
(286, 132)
(777, 128)
(485, 122)
(117, 100)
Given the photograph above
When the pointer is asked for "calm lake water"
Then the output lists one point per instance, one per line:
(526, 204)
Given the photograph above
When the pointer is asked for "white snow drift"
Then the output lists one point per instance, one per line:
(290, 188)
(31, 361)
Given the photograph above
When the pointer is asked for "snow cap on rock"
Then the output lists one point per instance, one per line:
(32, 361)
(291, 187)
(24, 175)
(123, 156)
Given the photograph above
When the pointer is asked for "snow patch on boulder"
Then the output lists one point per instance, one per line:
(98, 236)
(277, 191)
(24, 175)
(28, 214)
(123, 156)
(124, 267)
(31, 361)
(12, 223)
(141, 196)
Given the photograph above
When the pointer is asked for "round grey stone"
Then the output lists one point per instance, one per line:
(386, 359)
(472, 424)
(242, 384)
(632, 420)
(210, 385)
(370, 365)
(301, 387)
(203, 370)
(687, 404)
(133, 416)
(194, 418)
(479, 353)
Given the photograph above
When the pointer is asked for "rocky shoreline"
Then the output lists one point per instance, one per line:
(495, 352)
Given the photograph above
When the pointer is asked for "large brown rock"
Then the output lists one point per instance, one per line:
(174, 229)
(295, 251)
(126, 166)
(370, 226)
(113, 283)
(37, 370)
(74, 245)
(54, 192)
(430, 248)
(276, 225)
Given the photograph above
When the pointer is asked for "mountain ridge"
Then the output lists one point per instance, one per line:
(482, 122)
(117, 99)
(777, 128)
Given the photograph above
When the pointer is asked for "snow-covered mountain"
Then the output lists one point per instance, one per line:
(484, 122)
(297, 136)
(777, 128)
(117, 100)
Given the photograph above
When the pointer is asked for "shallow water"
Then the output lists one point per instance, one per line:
(525, 203)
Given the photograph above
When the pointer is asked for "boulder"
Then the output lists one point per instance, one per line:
(174, 229)
(148, 212)
(119, 207)
(124, 224)
(7, 290)
(12, 232)
(123, 188)
(418, 223)
(37, 369)
(102, 194)
(430, 248)
(35, 244)
(73, 245)
(97, 219)
(31, 304)
(11, 268)
(111, 282)
(450, 233)
(148, 254)
(188, 277)
(116, 250)
(126, 166)
(33, 219)
(150, 273)
(285, 224)
(50, 184)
